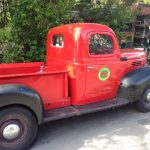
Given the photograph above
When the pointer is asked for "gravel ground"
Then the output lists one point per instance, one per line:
(124, 128)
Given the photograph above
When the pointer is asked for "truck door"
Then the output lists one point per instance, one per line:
(103, 67)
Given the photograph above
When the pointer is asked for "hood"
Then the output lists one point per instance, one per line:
(133, 53)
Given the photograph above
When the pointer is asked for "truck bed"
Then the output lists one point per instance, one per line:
(51, 84)
(20, 68)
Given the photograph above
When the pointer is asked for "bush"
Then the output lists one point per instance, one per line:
(11, 53)
(29, 22)
(32, 19)
(113, 13)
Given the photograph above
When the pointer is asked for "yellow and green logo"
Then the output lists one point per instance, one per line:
(104, 74)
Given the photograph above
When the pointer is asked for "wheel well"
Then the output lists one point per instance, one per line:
(146, 88)
(20, 105)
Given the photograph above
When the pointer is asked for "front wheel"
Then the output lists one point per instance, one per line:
(144, 103)
(18, 128)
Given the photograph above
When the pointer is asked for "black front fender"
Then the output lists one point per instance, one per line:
(134, 83)
(14, 94)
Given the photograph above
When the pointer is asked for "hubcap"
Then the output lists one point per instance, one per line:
(148, 97)
(11, 131)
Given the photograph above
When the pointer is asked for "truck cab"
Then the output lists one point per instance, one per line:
(93, 59)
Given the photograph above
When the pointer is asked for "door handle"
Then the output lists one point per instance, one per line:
(90, 67)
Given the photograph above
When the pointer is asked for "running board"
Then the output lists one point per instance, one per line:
(71, 111)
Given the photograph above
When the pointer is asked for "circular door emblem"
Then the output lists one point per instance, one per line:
(104, 74)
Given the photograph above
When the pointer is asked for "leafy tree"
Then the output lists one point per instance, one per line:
(24, 30)
(4, 13)
(32, 19)
(113, 13)
(147, 1)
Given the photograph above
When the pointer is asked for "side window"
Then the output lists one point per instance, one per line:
(58, 40)
(100, 44)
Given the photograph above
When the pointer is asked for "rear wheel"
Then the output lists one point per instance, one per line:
(18, 128)
(144, 103)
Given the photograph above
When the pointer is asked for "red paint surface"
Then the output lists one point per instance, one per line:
(71, 73)
(51, 85)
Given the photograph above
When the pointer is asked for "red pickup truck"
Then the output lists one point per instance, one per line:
(85, 71)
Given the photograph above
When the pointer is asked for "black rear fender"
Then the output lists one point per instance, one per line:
(14, 94)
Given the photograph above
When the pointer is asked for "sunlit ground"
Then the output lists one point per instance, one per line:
(119, 129)
(120, 139)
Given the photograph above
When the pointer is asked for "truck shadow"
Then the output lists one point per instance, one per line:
(111, 129)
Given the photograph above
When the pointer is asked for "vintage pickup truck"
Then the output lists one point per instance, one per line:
(85, 71)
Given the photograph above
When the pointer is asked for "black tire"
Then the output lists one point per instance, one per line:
(144, 103)
(25, 121)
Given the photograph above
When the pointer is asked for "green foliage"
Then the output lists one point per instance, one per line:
(23, 37)
(31, 20)
(11, 53)
(4, 13)
(113, 13)
(5, 34)
(147, 1)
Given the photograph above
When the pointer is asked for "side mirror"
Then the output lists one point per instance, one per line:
(123, 58)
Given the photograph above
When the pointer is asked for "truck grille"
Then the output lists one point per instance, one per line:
(137, 64)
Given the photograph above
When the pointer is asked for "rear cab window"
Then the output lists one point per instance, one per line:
(58, 40)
